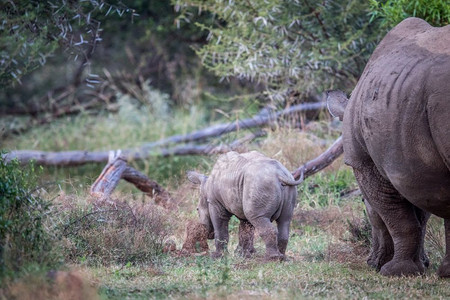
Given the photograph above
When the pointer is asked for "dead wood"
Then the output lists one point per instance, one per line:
(109, 178)
(149, 187)
(72, 158)
(322, 161)
(221, 129)
(116, 169)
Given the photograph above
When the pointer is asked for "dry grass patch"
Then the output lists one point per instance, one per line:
(121, 231)
(292, 147)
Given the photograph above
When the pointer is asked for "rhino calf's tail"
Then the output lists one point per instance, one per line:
(288, 181)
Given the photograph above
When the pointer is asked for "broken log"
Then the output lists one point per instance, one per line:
(72, 158)
(149, 187)
(109, 178)
(221, 129)
(322, 161)
(116, 169)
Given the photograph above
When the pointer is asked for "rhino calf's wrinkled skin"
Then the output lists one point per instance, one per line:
(257, 190)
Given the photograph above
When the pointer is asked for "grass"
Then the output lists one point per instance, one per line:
(289, 280)
(326, 258)
(323, 263)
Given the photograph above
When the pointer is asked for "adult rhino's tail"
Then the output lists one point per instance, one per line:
(288, 181)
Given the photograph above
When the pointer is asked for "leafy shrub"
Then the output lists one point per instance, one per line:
(392, 12)
(23, 213)
(306, 46)
(114, 233)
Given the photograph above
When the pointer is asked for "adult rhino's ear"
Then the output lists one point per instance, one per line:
(195, 177)
(336, 103)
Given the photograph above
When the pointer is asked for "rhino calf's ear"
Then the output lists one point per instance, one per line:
(336, 103)
(195, 177)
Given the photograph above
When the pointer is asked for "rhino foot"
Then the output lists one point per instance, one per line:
(402, 268)
(377, 260)
(444, 268)
(275, 257)
(246, 253)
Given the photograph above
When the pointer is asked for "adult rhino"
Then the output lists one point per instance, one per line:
(396, 136)
(257, 190)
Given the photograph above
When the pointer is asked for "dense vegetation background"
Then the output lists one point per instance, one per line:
(99, 75)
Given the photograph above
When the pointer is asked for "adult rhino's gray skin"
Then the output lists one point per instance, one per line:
(257, 190)
(382, 250)
(396, 135)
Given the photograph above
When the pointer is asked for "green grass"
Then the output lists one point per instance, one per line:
(234, 278)
(326, 261)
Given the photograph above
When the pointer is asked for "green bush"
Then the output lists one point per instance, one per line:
(392, 12)
(302, 46)
(23, 213)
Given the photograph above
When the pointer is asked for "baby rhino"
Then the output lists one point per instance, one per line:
(257, 190)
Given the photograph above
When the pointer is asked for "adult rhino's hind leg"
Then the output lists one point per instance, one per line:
(400, 219)
(444, 268)
(422, 217)
(246, 235)
(382, 249)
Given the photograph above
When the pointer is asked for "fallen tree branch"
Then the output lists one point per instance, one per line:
(221, 129)
(109, 177)
(116, 169)
(323, 160)
(72, 158)
(149, 187)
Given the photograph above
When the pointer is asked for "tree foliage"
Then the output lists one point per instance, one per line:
(301, 45)
(31, 31)
(392, 12)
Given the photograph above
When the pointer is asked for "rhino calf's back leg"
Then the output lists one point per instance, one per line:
(400, 219)
(444, 268)
(283, 235)
(246, 236)
(268, 233)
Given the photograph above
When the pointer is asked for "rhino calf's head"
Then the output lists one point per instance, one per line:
(203, 206)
